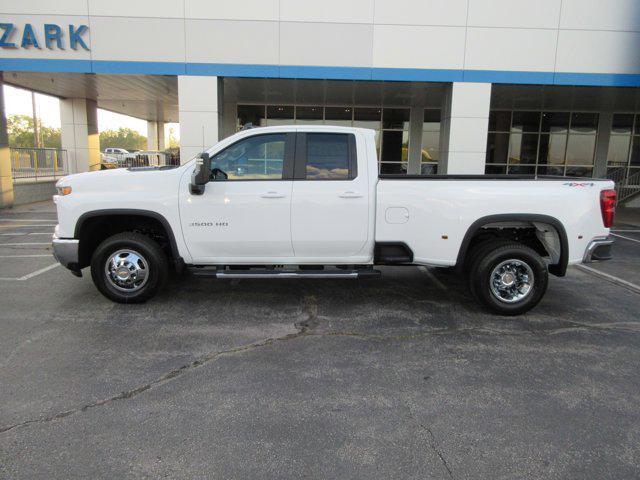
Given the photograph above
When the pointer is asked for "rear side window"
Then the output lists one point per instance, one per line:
(330, 156)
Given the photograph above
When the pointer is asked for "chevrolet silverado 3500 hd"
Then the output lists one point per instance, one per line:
(298, 201)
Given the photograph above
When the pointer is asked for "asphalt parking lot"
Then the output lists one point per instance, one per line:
(403, 377)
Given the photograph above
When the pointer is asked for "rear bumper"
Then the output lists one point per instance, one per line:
(598, 250)
(65, 251)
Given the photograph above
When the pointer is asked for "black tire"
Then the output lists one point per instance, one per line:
(490, 255)
(154, 260)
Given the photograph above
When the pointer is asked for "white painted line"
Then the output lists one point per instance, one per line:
(22, 234)
(631, 231)
(32, 274)
(611, 278)
(35, 225)
(433, 278)
(22, 220)
(25, 256)
(25, 243)
(626, 238)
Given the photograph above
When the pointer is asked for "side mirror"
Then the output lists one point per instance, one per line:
(201, 175)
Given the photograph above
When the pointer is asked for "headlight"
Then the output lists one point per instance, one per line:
(63, 190)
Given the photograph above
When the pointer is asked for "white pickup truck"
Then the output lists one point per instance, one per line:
(298, 201)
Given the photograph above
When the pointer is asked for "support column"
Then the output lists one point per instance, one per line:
(152, 135)
(79, 119)
(198, 111)
(416, 120)
(6, 179)
(463, 134)
(605, 122)
(162, 145)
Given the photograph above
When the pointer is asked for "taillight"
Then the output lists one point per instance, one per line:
(608, 206)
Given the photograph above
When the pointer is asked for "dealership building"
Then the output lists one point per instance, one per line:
(450, 86)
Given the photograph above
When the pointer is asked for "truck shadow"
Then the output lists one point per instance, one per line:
(405, 301)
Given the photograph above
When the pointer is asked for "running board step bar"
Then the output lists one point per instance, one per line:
(232, 274)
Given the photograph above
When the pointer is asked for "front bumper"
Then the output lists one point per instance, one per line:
(599, 249)
(65, 251)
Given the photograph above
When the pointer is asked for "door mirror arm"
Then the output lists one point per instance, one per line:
(201, 175)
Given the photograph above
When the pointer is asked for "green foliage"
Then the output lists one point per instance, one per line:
(174, 143)
(20, 131)
(122, 138)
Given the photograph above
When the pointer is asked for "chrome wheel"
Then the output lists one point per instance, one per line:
(511, 281)
(127, 270)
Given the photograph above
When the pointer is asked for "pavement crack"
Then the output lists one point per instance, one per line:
(304, 328)
(434, 446)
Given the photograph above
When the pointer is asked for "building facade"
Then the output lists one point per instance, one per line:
(450, 86)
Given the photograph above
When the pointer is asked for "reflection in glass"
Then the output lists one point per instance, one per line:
(622, 123)
(495, 169)
(327, 156)
(253, 114)
(255, 158)
(430, 146)
(394, 168)
(431, 120)
(523, 148)
(279, 115)
(552, 149)
(618, 149)
(525, 122)
(429, 169)
(497, 147)
(555, 122)
(340, 116)
(584, 123)
(522, 169)
(581, 149)
(579, 172)
(396, 118)
(547, 170)
(309, 115)
(367, 118)
(635, 152)
(499, 121)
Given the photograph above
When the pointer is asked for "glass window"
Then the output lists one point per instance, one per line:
(327, 156)
(622, 123)
(259, 157)
(309, 115)
(431, 121)
(495, 169)
(393, 168)
(526, 122)
(279, 115)
(580, 149)
(555, 122)
(546, 170)
(521, 169)
(498, 148)
(579, 172)
(552, 149)
(340, 116)
(635, 152)
(499, 121)
(619, 149)
(584, 123)
(253, 114)
(430, 146)
(395, 118)
(367, 118)
(523, 148)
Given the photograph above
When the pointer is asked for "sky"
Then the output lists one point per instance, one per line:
(18, 101)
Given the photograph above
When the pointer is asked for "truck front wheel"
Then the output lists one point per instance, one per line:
(129, 267)
(508, 277)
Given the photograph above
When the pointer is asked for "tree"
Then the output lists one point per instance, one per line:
(20, 132)
(173, 141)
(122, 138)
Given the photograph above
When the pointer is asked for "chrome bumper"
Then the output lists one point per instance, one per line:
(65, 251)
(599, 249)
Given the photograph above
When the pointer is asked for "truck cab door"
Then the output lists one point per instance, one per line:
(330, 202)
(244, 214)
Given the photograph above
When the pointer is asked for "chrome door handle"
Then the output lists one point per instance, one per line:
(350, 194)
(273, 195)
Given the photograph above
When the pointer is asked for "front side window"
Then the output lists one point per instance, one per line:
(255, 158)
(327, 156)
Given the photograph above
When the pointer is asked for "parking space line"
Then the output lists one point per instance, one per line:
(22, 234)
(611, 278)
(433, 278)
(31, 275)
(626, 238)
(25, 243)
(26, 256)
(21, 220)
(624, 230)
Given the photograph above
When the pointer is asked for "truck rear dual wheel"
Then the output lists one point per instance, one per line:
(129, 267)
(507, 277)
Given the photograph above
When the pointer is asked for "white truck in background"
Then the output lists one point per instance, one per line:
(307, 201)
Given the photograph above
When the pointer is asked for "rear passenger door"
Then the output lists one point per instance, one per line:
(330, 199)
